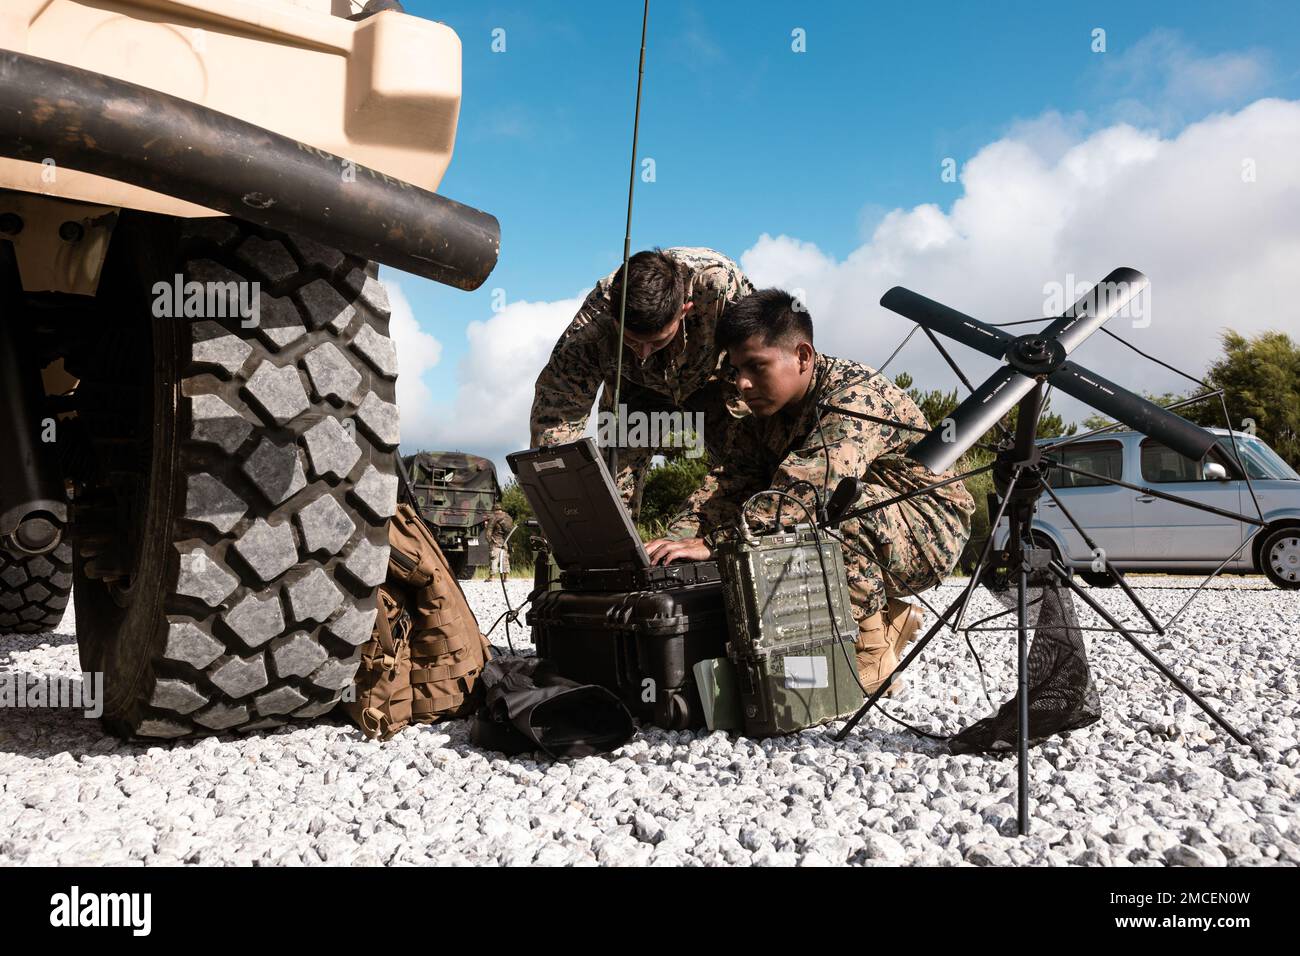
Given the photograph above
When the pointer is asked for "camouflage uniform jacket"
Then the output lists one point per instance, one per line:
(587, 353)
(805, 442)
(499, 525)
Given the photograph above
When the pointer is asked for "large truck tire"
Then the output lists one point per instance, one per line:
(34, 590)
(271, 478)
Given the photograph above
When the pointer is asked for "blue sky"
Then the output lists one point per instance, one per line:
(749, 137)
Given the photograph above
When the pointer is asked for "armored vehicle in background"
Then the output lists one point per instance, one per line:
(456, 493)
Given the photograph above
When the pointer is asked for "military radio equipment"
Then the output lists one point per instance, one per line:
(791, 629)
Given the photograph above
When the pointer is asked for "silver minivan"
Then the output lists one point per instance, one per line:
(1141, 532)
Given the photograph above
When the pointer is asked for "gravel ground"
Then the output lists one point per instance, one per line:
(1152, 783)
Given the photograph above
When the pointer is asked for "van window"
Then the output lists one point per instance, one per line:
(1100, 458)
(1162, 465)
(1261, 461)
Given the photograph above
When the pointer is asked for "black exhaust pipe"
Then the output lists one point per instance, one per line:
(96, 124)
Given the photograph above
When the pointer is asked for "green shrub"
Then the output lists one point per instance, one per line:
(666, 489)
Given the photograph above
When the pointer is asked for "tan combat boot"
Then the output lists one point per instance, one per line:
(904, 623)
(875, 653)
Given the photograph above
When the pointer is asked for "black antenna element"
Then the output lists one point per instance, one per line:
(1036, 357)
(627, 249)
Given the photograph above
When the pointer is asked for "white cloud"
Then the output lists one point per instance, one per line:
(417, 353)
(1219, 251)
(1162, 78)
(489, 415)
(1041, 204)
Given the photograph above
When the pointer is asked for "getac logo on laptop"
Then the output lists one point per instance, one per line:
(544, 465)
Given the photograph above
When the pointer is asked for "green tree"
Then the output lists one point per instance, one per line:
(515, 503)
(517, 506)
(1260, 378)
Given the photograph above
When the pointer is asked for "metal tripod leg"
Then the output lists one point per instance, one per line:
(962, 600)
(902, 666)
(1160, 665)
(1022, 714)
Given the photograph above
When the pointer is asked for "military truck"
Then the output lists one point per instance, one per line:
(198, 410)
(456, 493)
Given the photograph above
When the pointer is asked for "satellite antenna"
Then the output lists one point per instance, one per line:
(1032, 362)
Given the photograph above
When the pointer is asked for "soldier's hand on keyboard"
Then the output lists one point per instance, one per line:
(665, 550)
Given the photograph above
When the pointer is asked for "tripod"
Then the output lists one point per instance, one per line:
(1018, 477)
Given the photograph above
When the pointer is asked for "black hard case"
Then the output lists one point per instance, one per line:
(614, 619)
(640, 643)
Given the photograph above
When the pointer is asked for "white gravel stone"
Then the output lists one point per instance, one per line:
(1116, 793)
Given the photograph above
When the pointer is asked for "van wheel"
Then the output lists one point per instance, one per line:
(230, 539)
(1279, 556)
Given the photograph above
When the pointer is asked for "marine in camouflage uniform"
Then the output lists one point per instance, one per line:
(499, 526)
(684, 376)
(889, 553)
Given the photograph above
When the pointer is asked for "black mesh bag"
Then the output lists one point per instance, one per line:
(1061, 692)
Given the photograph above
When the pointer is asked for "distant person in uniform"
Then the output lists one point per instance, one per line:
(670, 358)
(791, 444)
(500, 524)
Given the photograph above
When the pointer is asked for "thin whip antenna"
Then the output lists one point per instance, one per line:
(627, 250)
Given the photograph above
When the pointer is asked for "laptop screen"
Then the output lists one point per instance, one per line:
(576, 505)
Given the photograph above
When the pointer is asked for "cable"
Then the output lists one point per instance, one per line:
(513, 615)
(1130, 345)
(979, 664)
(892, 354)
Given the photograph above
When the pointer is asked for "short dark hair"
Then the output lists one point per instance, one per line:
(774, 314)
(655, 293)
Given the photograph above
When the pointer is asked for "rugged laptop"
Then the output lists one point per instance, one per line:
(587, 527)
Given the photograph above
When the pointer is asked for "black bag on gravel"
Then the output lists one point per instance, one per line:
(528, 706)
(1061, 693)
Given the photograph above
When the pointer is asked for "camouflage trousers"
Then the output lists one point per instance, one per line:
(898, 550)
(710, 401)
(500, 561)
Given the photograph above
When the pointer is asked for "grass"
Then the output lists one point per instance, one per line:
(516, 571)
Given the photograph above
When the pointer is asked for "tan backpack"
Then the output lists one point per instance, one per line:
(442, 645)
(382, 705)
